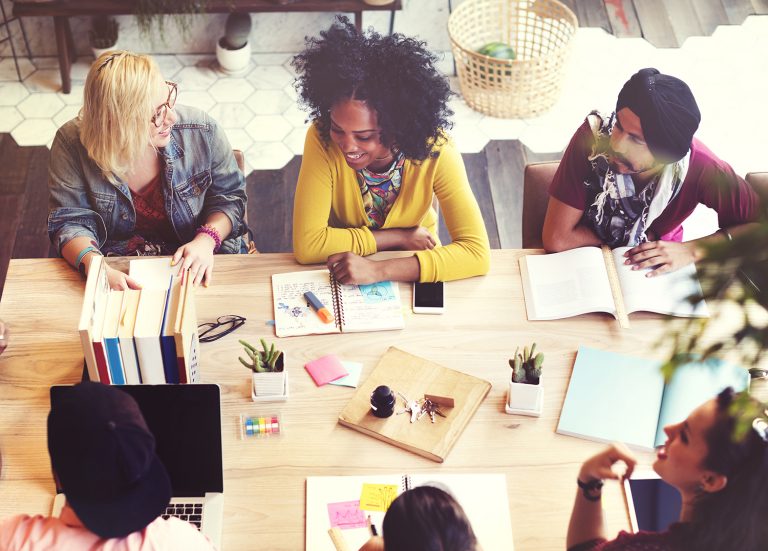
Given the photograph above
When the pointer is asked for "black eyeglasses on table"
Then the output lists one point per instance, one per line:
(223, 326)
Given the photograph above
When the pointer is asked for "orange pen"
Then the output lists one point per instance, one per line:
(319, 307)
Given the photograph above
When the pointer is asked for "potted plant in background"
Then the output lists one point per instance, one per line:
(526, 387)
(103, 34)
(269, 378)
(233, 51)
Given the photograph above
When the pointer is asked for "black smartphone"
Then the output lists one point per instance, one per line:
(428, 298)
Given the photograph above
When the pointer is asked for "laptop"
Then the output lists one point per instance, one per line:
(653, 504)
(186, 422)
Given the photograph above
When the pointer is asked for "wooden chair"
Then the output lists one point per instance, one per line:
(240, 159)
(536, 180)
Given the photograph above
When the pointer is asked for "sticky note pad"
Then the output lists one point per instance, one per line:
(354, 369)
(326, 369)
(346, 515)
(377, 497)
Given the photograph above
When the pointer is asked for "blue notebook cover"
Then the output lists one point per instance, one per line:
(615, 397)
(168, 342)
(114, 360)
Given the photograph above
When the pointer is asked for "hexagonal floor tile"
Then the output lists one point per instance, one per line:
(469, 138)
(9, 118)
(295, 140)
(501, 129)
(269, 77)
(290, 91)
(196, 78)
(231, 90)
(44, 80)
(34, 132)
(272, 58)
(40, 106)
(269, 102)
(196, 98)
(296, 116)
(268, 156)
(79, 70)
(239, 138)
(231, 115)
(12, 93)
(8, 68)
(68, 113)
(268, 128)
(169, 65)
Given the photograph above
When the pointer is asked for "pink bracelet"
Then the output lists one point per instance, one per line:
(213, 233)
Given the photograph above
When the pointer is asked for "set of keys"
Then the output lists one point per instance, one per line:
(419, 408)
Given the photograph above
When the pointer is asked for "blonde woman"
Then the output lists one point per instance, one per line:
(136, 174)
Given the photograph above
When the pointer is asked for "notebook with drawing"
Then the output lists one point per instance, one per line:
(346, 502)
(186, 423)
(355, 308)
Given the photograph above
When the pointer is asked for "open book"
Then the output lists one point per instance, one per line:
(613, 397)
(586, 279)
(346, 502)
(355, 308)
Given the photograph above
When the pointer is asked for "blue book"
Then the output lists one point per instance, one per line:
(110, 337)
(614, 397)
(167, 337)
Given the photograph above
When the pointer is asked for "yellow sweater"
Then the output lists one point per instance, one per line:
(329, 216)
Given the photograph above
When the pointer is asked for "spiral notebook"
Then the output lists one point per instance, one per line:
(346, 502)
(355, 308)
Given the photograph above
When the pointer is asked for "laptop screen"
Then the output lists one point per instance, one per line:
(656, 504)
(186, 422)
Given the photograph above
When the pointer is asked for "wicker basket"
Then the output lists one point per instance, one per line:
(538, 30)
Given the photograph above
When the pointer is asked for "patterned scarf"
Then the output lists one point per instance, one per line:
(380, 190)
(618, 214)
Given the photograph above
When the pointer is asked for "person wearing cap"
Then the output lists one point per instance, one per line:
(630, 178)
(103, 457)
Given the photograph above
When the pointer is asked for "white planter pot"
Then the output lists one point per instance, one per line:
(525, 399)
(233, 62)
(98, 51)
(270, 386)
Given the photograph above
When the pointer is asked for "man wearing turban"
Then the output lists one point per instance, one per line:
(630, 178)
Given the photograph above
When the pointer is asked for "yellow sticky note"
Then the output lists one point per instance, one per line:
(377, 497)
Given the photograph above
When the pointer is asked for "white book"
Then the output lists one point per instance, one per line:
(146, 335)
(330, 502)
(94, 305)
(579, 281)
(125, 336)
(355, 308)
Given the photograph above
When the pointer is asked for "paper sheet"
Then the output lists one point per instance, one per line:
(346, 515)
(354, 369)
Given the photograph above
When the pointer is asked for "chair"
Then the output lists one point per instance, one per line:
(240, 159)
(536, 180)
(759, 182)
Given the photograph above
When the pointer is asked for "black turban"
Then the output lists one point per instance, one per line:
(667, 110)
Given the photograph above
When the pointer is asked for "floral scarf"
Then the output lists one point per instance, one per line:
(617, 213)
(379, 190)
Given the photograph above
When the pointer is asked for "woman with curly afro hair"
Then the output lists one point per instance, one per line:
(374, 158)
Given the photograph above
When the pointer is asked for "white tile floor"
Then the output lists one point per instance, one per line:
(728, 73)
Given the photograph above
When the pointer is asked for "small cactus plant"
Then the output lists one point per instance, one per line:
(103, 33)
(526, 365)
(237, 31)
(261, 361)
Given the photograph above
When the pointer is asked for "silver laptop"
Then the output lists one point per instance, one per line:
(186, 422)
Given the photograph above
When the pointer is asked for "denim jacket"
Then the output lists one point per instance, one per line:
(201, 177)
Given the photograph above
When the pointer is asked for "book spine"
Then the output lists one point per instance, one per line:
(170, 365)
(115, 361)
(101, 362)
(130, 361)
(618, 296)
(338, 303)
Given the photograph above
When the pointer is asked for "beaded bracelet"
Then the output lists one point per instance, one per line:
(213, 233)
(591, 490)
(79, 266)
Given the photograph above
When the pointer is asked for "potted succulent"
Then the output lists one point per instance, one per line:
(233, 51)
(526, 386)
(103, 34)
(269, 378)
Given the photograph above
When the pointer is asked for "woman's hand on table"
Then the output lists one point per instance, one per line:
(349, 268)
(120, 281)
(197, 257)
(417, 239)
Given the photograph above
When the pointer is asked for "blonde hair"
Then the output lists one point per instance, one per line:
(118, 106)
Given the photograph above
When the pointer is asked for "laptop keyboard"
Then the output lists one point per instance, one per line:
(190, 512)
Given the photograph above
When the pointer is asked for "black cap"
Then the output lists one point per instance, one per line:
(104, 457)
(667, 110)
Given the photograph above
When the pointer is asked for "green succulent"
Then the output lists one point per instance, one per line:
(527, 366)
(261, 361)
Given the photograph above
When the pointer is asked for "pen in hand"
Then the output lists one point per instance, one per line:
(319, 307)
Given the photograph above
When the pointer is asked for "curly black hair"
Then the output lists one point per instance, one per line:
(395, 75)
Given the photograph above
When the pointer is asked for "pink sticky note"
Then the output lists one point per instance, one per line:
(326, 369)
(346, 514)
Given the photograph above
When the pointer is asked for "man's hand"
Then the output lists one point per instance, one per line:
(350, 268)
(120, 281)
(662, 256)
(197, 257)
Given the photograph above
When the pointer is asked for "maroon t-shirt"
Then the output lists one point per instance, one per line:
(709, 181)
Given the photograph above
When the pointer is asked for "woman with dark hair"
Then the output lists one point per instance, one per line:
(374, 158)
(722, 477)
(425, 519)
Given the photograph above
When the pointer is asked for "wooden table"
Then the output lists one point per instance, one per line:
(62, 10)
(265, 480)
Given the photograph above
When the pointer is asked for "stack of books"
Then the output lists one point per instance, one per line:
(144, 336)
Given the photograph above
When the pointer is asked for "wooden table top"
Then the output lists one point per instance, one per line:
(264, 480)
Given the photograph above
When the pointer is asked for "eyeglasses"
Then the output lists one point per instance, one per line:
(162, 111)
(222, 327)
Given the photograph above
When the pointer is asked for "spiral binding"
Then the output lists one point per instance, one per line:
(338, 303)
(406, 482)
